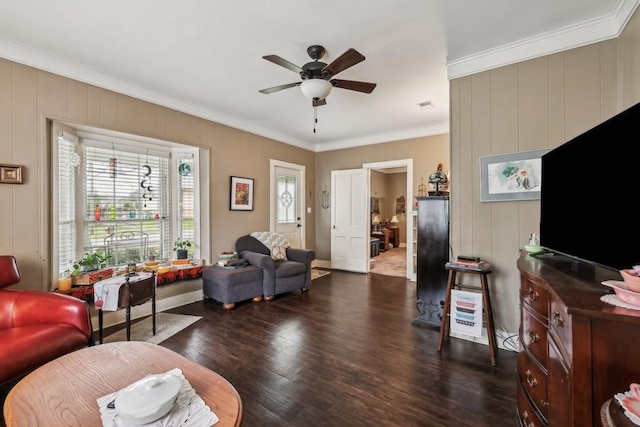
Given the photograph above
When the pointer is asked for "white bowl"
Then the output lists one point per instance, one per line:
(149, 399)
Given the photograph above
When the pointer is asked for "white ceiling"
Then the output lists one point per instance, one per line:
(204, 57)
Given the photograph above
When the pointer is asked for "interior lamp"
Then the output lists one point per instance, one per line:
(394, 220)
(376, 219)
(316, 88)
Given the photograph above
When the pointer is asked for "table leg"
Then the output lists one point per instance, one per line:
(488, 312)
(153, 312)
(100, 320)
(128, 322)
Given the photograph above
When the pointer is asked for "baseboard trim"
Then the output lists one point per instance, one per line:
(321, 263)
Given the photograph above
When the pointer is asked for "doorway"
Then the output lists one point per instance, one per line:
(397, 166)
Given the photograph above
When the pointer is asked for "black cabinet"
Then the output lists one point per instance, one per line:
(432, 255)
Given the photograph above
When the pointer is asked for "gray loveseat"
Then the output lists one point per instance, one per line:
(278, 276)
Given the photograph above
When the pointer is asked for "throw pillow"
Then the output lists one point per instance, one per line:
(279, 252)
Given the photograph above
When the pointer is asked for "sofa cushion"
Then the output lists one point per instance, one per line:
(289, 268)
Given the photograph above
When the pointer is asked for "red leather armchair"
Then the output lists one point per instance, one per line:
(36, 326)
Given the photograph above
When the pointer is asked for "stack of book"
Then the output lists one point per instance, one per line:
(227, 258)
(469, 263)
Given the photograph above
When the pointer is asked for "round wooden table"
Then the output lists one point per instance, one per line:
(64, 392)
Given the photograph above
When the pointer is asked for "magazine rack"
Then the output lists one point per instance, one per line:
(486, 301)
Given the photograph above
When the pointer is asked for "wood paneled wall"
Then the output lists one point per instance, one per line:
(30, 98)
(532, 105)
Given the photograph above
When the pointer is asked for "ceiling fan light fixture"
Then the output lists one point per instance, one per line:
(316, 88)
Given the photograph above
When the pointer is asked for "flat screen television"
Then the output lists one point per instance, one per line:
(590, 192)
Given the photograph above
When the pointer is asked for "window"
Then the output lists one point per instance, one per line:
(287, 204)
(127, 199)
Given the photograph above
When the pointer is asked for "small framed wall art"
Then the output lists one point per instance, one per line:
(241, 197)
(11, 174)
(515, 176)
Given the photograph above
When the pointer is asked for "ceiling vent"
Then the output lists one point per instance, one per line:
(425, 105)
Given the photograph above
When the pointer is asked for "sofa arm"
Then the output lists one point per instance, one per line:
(268, 266)
(35, 307)
(263, 261)
(304, 256)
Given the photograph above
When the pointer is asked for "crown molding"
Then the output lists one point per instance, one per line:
(580, 34)
(22, 55)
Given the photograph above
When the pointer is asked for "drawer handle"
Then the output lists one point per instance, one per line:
(533, 336)
(525, 419)
(530, 380)
(557, 319)
(534, 295)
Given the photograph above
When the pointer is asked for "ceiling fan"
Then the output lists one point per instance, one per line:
(317, 77)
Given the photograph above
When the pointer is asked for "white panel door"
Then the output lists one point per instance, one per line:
(349, 220)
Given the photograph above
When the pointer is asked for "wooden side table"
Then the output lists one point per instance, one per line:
(63, 392)
(134, 290)
(394, 236)
(486, 302)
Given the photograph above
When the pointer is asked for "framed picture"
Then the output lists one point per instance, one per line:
(241, 198)
(10, 174)
(515, 176)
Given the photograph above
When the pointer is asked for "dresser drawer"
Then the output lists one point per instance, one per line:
(533, 335)
(533, 381)
(560, 389)
(535, 295)
(560, 326)
(527, 416)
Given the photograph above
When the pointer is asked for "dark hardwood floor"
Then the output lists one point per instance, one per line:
(346, 354)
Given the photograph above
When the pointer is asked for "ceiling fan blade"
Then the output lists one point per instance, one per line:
(283, 63)
(277, 88)
(348, 59)
(319, 102)
(352, 85)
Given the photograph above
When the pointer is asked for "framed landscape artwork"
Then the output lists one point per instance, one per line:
(241, 197)
(515, 176)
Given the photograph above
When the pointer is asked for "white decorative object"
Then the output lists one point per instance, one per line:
(189, 410)
(149, 399)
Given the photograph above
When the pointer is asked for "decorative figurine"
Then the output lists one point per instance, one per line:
(439, 183)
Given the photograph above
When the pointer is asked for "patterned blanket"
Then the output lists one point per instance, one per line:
(270, 239)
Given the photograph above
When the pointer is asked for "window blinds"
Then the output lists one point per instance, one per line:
(127, 204)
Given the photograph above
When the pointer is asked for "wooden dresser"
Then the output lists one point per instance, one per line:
(576, 350)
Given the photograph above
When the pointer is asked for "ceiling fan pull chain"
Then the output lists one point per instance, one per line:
(315, 118)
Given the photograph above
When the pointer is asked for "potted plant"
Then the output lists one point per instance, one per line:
(181, 247)
(91, 268)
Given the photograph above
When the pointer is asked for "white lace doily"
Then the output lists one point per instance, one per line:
(614, 300)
